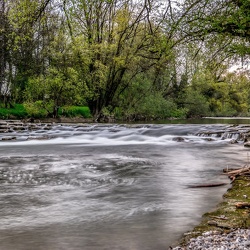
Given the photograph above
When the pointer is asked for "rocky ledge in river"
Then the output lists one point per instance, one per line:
(17, 130)
(11, 130)
(237, 133)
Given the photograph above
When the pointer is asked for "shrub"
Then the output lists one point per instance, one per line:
(155, 106)
(35, 109)
(196, 104)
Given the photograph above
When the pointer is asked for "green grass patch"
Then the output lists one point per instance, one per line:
(75, 111)
(36, 110)
(18, 111)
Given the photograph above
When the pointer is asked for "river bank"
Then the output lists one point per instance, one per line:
(226, 227)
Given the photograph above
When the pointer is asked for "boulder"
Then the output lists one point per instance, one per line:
(11, 138)
(178, 139)
(208, 139)
(233, 141)
(247, 144)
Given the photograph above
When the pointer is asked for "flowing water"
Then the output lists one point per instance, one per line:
(109, 186)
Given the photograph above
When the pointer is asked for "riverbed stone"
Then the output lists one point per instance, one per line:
(233, 141)
(212, 223)
(3, 130)
(178, 139)
(18, 128)
(11, 138)
(209, 139)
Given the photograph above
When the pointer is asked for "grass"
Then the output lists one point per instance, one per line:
(17, 112)
(20, 111)
(75, 111)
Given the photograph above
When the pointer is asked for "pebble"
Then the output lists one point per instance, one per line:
(236, 240)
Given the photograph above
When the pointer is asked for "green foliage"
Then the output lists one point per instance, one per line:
(154, 106)
(18, 111)
(35, 109)
(54, 90)
(236, 19)
(75, 111)
(228, 97)
(148, 59)
(196, 104)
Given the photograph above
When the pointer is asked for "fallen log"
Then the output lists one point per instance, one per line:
(208, 185)
(233, 173)
(227, 170)
(239, 171)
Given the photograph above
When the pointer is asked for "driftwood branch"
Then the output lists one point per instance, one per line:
(207, 185)
(233, 173)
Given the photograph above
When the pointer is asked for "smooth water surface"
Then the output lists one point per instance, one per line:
(109, 186)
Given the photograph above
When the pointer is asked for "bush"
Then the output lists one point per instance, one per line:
(196, 104)
(155, 106)
(35, 109)
(57, 88)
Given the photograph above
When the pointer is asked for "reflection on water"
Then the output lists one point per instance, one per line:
(109, 187)
(207, 120)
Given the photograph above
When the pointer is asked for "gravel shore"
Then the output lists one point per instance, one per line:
(214, 240)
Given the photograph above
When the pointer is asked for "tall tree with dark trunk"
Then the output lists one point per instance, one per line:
(119, 40)
(4, 55)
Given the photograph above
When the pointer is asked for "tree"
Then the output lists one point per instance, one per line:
(59, 84)
(234, 19)
(54, 90)
(5, 62)
(24, 30)
(230, 18)
(121, 40)
(122, 53)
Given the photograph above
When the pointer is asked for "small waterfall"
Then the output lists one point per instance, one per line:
(210, 134)
(238, 133)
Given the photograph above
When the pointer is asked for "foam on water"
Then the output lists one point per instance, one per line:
(112, 135)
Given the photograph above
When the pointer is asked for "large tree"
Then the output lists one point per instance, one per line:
(115, 41)
(5, 59)
(24, 32)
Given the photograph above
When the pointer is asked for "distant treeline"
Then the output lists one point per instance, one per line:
(126, 59)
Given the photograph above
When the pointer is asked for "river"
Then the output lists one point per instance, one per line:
(97, 187)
